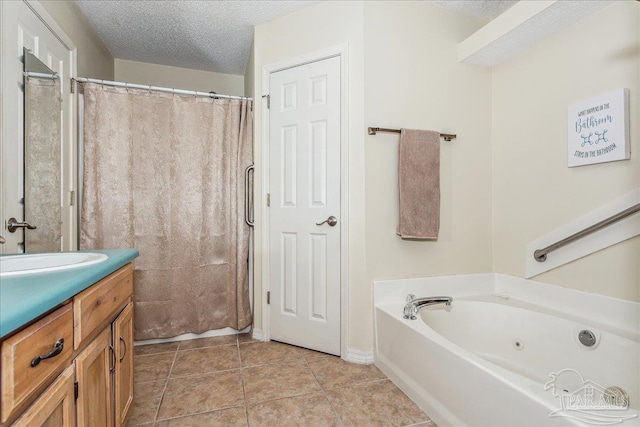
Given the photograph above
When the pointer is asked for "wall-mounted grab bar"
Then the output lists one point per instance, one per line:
(248, 198)
(541, 254)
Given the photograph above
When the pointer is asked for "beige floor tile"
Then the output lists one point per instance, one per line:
(310, 410)
(167, 347)
(203, 360)
(313, 355)
(152, 367)
(146, 399)
(269, 382)
(236, 417)
(372, 404)
(244, 338)
(259, 353)
(202, 393)
(208, 342)
(334, 372)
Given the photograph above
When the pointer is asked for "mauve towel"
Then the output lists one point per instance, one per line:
(419, 184)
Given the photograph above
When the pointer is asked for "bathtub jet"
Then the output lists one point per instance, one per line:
(414, 305)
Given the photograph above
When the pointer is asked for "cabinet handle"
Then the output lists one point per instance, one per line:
(113, 358)
(124, 343)
(57, 349)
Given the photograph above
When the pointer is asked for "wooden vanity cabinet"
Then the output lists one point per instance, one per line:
(90, 383)
(122, 339)
(55, 407)
(93, 375)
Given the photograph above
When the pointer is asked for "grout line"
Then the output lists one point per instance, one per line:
(224, 408)
(244, 393)
(324, 393)
(166, 384)
(199, 374)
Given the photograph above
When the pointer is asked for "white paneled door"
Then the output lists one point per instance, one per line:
(304, 186)
(23, 28)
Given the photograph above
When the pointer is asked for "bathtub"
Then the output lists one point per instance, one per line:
(507, 352)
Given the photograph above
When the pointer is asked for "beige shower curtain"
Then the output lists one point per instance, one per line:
(164, 173)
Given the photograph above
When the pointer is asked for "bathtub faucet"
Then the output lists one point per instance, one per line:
(415, 304)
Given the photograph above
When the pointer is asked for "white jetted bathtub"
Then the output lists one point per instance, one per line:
(507, 352)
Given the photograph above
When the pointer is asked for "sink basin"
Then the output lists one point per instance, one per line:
(14, 265)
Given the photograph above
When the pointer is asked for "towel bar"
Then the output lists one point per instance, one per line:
(373, 131)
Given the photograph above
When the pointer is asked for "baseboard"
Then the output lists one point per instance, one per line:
(256, 334)
(357, 356)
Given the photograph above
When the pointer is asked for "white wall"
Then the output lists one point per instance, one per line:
(533, 190)
(180, 78)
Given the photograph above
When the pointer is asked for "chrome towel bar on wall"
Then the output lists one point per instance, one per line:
(373, 131)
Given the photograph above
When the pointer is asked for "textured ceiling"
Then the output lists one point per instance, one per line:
(203, 35)
(481, 8)
(208, 35)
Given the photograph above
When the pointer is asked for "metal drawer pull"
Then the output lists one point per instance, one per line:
(332, 221)
(124, 343)
(57, 349)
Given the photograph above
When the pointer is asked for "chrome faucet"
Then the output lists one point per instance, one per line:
(416, 304)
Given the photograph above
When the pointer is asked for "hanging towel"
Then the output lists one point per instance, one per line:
(419, 184)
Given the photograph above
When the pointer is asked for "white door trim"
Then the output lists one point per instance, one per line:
(69, 154)
(342, 52)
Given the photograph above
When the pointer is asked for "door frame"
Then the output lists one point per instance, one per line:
(69, 149)
(342, 52)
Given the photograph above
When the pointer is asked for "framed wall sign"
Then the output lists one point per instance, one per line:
(598, 129)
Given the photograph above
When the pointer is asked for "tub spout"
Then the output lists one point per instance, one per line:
(414, 305)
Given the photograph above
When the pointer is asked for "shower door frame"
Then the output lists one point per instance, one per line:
(340, 51)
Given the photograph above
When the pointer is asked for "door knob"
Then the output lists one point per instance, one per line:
(13, 225)
(332, 221)
(2, 241)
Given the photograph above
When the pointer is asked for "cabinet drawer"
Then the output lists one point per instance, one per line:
(97, 306)
(23, 373)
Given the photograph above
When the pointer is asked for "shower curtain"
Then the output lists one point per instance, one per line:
(164, 173)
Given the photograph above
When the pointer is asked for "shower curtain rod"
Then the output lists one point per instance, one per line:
(48, 76)
(158, 88)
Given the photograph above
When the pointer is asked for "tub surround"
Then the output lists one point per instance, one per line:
(25, 298)
(467, 365)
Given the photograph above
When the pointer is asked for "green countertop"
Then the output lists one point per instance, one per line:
(25, 298)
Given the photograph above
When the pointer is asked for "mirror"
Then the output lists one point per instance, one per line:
(42, 157)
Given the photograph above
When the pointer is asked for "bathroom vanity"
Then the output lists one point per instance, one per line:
(68, 358)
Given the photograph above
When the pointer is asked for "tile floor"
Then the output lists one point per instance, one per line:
(235, 381)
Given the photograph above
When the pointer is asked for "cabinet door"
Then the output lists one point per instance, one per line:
(54, 408)
(123, 343)
(93, 373)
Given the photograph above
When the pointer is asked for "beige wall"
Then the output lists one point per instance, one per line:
(325, 25)
(180, 78)
(421, 86)
(249, 74)
(94, 59)
(534, 192)
(413, 79)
